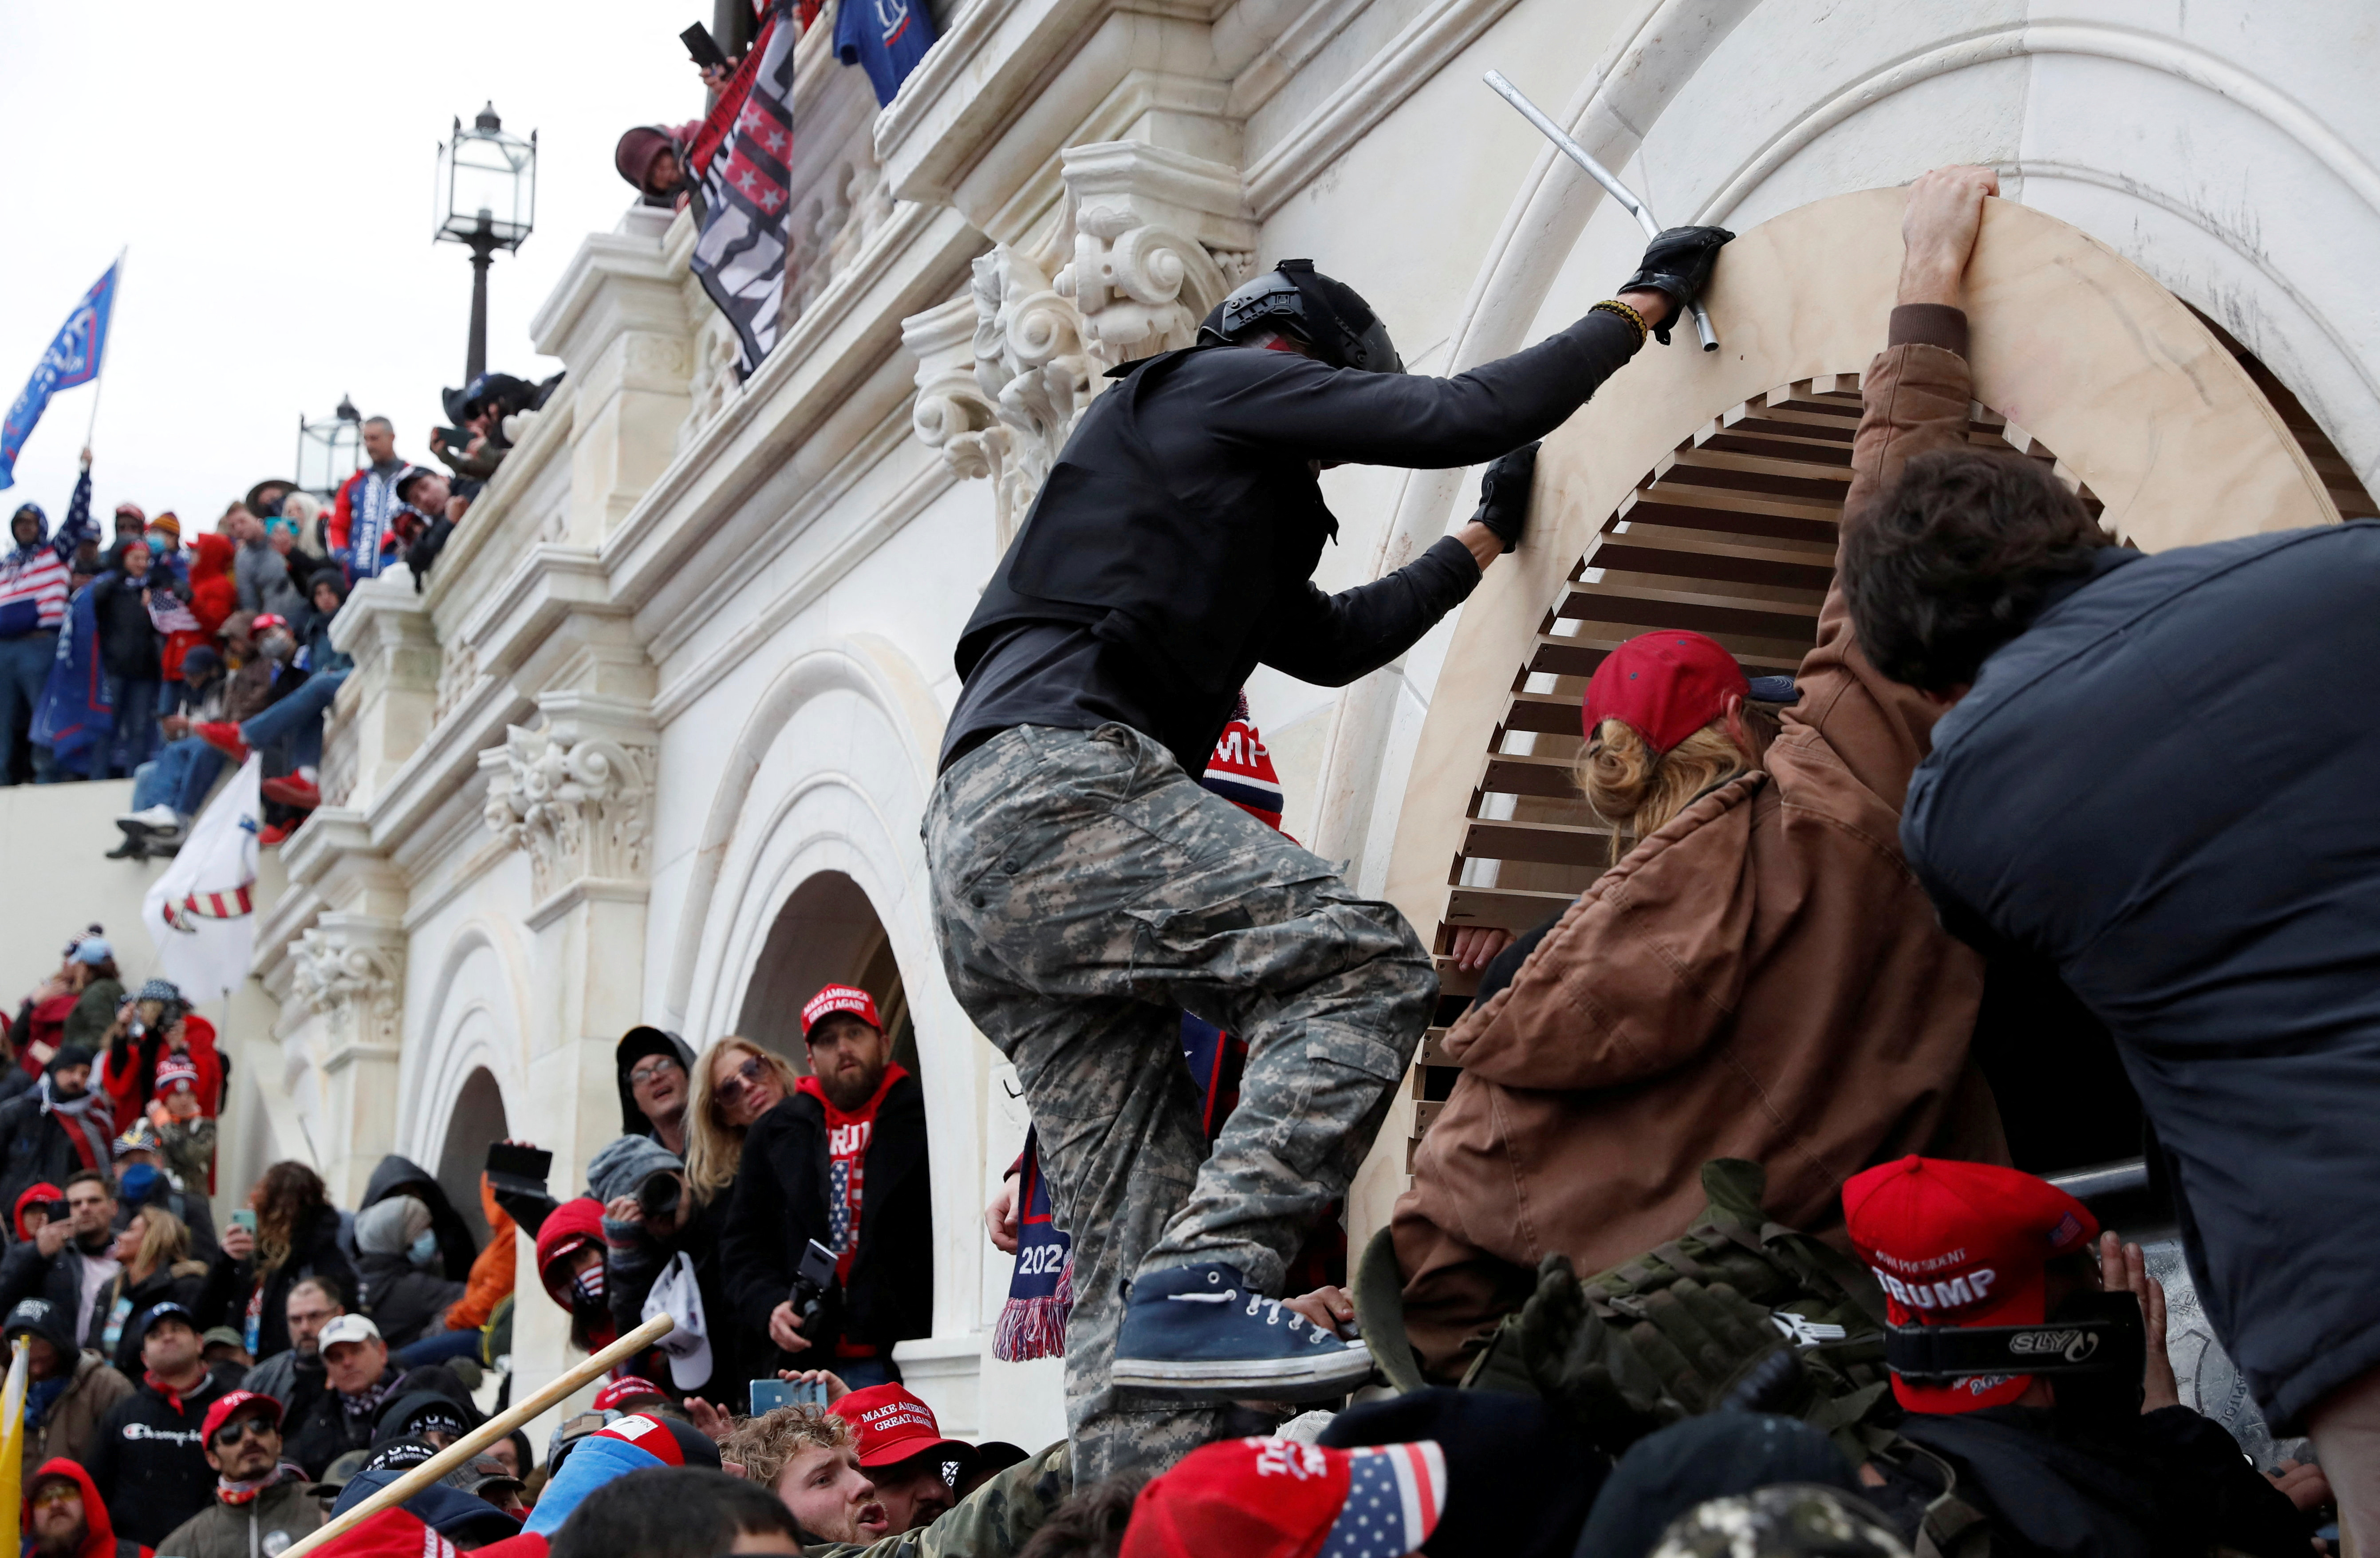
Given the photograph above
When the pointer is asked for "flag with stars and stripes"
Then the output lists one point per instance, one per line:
(742, 159)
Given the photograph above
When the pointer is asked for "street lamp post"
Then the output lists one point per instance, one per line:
(487, 200)
(330, 450)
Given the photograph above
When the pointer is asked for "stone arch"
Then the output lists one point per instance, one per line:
(2140, 401)
(827, 783)
(473, 1027)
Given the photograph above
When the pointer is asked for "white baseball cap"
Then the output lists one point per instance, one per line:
(347, 1328)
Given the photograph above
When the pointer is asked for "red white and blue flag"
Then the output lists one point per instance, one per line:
(742, 159)
(74, 357)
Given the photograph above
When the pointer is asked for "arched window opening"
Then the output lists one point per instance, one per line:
(478, 1120)
(827, 933)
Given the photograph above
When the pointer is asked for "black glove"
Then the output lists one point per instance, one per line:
(1504, 494)
(1677, 265)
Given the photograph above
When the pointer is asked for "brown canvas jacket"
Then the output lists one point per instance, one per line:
(1762, 979)
(70, 1427)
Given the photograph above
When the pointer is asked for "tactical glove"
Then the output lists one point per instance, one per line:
(1504, 494)
(1570, 1353)
(1701, 1339)
(1678, 265)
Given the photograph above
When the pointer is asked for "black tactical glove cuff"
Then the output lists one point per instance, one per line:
(1504, 494)
(1677, 264)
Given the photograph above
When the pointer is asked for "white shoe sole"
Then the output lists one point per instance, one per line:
(1274, 1379)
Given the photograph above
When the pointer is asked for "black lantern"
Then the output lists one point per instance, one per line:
(487, 200)
(330, 450)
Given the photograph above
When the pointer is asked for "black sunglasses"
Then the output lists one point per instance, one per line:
(238, 1428)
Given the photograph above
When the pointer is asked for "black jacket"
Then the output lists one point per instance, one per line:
(633, 1261)
(150, 1466)
(2162, 1484)
(779, 1204)
(395, 1176)
(2163, 789)
(34, 1147)
(128, 640)
(320, 1430)
(1183, 519)
(315, 1252)
(405, 1303)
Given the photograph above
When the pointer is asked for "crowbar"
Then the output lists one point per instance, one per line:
(1602, 175)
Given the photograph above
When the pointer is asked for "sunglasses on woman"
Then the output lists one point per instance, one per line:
(744, 1076)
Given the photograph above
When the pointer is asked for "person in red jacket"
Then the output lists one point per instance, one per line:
(64, 1517)
(167, 1025)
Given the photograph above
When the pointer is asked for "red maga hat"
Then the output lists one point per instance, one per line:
(225, 1405)
(839, 998)
(888, 1424)
(1276, 1498)
(1663, 685)
(1962, 1244)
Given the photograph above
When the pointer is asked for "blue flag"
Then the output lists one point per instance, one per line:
(75, 715)
(73, 358)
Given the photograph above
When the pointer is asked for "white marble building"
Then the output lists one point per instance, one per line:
(655, 744)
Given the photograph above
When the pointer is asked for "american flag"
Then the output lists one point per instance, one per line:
(741, 158)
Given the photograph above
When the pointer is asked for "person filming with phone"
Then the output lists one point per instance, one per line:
(840, 1165)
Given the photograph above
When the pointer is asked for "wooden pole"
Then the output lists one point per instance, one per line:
(462, 1450)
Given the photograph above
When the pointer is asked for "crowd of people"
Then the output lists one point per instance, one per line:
(141, 654)
(1664, 1283)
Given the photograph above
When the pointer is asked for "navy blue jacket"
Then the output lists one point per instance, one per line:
(2170, 789)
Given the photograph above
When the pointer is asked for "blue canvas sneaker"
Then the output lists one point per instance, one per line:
(1199, 1333)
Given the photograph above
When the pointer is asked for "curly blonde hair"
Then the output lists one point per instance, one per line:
(1638, 790)
(763, 1445)
(714, 1148)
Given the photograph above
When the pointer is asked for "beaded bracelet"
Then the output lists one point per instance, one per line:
(1614, 306)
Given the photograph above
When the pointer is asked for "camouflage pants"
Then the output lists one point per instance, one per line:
(1086, 892)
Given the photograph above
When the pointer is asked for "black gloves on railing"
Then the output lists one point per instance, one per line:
(1678, 265)
(1504, 494)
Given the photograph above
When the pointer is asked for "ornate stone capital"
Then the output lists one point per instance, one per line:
(1154, 238)
(350, 968)
(578, 807)
(1159, 238)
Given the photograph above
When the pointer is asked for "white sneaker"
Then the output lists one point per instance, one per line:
(158, 819)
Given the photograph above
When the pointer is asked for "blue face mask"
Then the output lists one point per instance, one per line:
(423, 1250)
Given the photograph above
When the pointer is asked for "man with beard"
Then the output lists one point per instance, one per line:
(69, 1261)
(148, 1466)
(65, 1517)
(261, 1505)
(843, 1163)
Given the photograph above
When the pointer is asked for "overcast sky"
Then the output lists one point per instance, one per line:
(271, 165)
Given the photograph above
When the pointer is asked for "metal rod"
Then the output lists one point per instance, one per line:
(1601, 175)
(99, 371)
(487, 1433)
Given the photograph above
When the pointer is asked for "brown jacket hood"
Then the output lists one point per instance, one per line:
(1763, 978)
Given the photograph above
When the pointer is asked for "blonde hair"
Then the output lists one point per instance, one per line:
(165, 1242)
(714, 1148)
(1638, 790)
(763, 1445)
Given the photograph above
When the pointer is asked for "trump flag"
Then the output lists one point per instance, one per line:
(73, 358)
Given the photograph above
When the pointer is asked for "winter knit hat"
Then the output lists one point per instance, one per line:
(142, 1137)
(165, 991)
(175, 1071)
(68, 1055)
(388, 1226)
(625, 1163)
(169, 523)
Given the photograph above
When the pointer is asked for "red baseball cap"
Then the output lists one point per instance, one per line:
(841, 998)
(220, 1413)
(1276, 1498)
(1663, 685)
(627, 1387)
(666, 1438)
(888, 1424)
(1962, 1244)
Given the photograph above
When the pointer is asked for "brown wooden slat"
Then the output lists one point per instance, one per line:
(1608, 602)
(1685, 510)
(1511, 907)
(1515, 773)
(1813, 489)
(1556, 844)
(1632, 555)
(1547, 713)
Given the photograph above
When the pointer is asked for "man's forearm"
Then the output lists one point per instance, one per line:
(1333, 639)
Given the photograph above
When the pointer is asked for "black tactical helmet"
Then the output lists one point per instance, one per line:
(1298, 300)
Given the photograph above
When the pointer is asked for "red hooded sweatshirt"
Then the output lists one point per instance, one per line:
(39, 1191)
(100, 1541)
(128, 1089)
